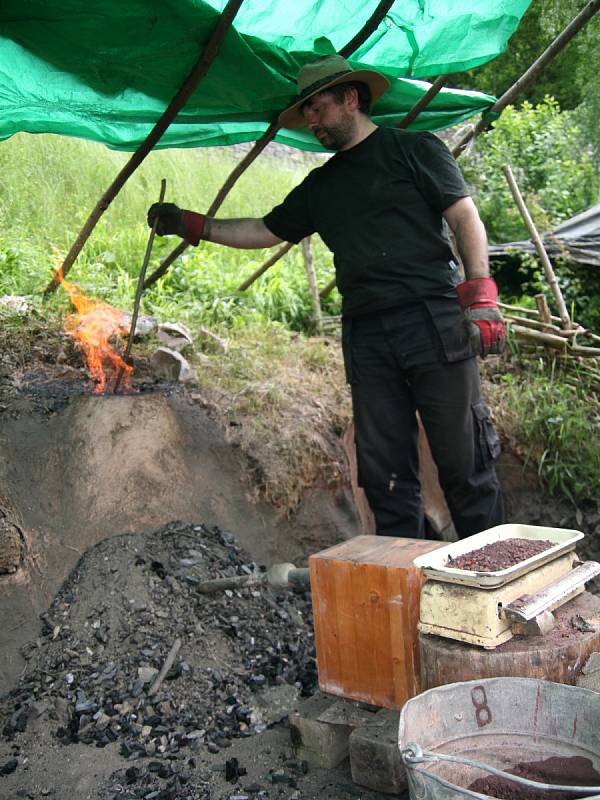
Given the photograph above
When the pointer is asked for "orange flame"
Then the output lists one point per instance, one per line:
(93, 326)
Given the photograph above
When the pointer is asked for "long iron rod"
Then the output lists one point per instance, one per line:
(189, 85)
(139, 289)
(260, 144)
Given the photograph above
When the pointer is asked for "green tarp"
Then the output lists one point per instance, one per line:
(106, 69)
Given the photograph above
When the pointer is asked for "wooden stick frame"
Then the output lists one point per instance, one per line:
(200, 69)
(539, 246)
(528, 78)
(260, 144)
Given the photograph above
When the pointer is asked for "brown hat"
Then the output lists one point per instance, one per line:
(323, 74)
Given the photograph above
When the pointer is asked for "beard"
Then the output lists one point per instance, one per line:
(338, 135)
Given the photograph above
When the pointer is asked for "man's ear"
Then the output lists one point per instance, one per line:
(351, 98)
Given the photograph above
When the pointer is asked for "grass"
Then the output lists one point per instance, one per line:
(50, 184)
(554, 421)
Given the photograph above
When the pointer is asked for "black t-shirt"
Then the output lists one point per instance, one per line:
(378, 207)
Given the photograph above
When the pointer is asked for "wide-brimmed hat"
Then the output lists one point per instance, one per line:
(323, 74)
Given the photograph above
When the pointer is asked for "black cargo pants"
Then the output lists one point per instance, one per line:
(418, 358)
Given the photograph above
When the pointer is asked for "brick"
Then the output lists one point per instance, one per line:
(321, 726)
(375, 760)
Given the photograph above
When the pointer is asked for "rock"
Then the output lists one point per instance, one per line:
(147, 674)
(174, 335)
(172, 366)
(144, 326)
(273, 704)
(11, 548)
(16, 303)
(9, 766)
(211, 342)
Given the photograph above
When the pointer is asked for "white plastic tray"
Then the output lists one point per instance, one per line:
(434, 563)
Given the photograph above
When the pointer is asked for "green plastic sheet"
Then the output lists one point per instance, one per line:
(106, 69)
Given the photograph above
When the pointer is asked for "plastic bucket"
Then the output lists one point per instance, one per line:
(502, 723)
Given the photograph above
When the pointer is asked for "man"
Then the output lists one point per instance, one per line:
(379, 205)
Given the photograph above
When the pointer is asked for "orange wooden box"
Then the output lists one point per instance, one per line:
(365, 597)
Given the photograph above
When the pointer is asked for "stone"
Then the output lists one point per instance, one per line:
(375, 761)
(171, 366)
(11, 548)
(147, 674)
(324, 744)
(174, 335)
(273, 704)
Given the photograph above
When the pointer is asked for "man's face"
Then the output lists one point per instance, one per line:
(330, 121)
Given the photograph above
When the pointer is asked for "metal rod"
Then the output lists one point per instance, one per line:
(260, 144)
(139, 289)
(238, 170)
(189, 85)
(532, 74)
(412, 755)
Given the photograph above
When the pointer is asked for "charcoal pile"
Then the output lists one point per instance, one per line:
(131, 655)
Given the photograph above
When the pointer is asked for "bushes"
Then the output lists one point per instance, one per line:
(553, 168)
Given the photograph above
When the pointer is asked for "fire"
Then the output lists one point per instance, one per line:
(93, 325)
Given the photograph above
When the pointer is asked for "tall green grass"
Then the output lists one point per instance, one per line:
(557, 424)
(49, 184)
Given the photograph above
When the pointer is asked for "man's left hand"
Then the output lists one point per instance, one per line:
(478, 298)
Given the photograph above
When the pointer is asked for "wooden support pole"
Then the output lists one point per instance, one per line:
(327, 288)
(367, 29)
(238, 170)
(540, 337)
(260, 144)
(189, 85)
(543, 308)
(532, 74)
(423, 102)
(268, 263)
(312, 284)
(539, 246)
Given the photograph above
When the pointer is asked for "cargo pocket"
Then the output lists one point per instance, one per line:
(347, 349)
(487, 441)
(452, 332)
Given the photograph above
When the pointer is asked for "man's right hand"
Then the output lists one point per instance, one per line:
(170, 219)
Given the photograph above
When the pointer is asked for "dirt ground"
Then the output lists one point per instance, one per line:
(83, 722)
(97, 584)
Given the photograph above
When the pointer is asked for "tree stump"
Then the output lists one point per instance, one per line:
(558, 656)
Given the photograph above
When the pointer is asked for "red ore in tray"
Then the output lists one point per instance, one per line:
(499, 555)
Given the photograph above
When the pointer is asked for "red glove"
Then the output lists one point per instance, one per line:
(478, 298)
(172, 219)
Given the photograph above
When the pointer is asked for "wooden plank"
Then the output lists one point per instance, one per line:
(345, 624)
(397, 634)
(324, 616)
